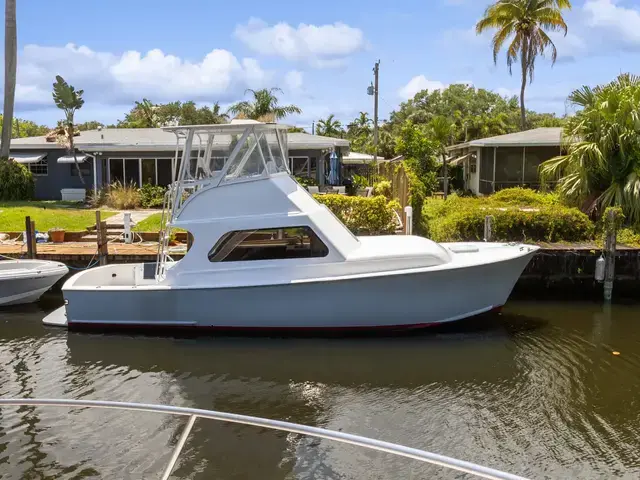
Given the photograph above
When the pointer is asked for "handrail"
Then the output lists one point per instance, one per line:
(194, 413)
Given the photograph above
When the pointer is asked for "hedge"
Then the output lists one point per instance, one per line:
(462, 219)
(362, 215)
(16, 181)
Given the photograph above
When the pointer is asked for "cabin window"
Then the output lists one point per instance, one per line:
(268, 244)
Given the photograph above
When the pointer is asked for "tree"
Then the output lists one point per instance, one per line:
(69, 100)
(329, 127)
(146, 114)
(143, 115)
(264, 107)
(90, 125)
(525, 23)
(419, 150)
(296, 130)
(10, 66)
(442, 130)
(602, 142)
(25, 128)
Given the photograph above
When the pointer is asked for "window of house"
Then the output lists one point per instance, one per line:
(39, 169)
(300, 166)
(85, 168)
(268, 244)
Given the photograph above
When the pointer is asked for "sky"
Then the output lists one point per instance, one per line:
(321, 54)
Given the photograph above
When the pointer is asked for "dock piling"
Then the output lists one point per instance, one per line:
(488, 227)
(610, 254)
(101, 234)
(30, 232)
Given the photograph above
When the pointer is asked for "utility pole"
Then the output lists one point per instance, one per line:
(313, 128)
(376, 71)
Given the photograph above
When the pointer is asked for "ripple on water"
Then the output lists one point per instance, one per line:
(535, 392)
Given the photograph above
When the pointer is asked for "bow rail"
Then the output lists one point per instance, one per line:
(194, 413)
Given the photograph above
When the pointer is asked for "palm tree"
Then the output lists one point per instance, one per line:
(602, 143)
(329, 127)
(525, 23)
(218, 116)
(68, 99)
(10, 65)
(264, 107)
(443, 132)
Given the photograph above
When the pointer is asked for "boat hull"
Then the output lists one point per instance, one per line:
(400, 300)
(28, 285)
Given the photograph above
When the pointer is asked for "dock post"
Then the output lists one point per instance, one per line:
(30, 232)
(408, 210)
(610, 255)
(101, 234)
(488, 227)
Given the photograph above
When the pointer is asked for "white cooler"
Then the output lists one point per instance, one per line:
(73, 194)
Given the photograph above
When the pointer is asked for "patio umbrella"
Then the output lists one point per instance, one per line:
(334, 175)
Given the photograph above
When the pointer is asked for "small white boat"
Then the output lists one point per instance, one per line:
(267, 256)
(24, 281)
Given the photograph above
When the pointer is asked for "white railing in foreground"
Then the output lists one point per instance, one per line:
(195, 413)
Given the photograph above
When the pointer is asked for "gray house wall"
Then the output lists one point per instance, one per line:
(59, 175)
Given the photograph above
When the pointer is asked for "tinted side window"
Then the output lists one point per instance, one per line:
(268, 244)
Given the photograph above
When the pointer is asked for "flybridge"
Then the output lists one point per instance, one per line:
(215, 155)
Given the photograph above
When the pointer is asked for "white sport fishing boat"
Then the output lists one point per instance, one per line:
(24, 281)
(267, 256)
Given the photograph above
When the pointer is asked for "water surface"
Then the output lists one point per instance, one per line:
(535, 391)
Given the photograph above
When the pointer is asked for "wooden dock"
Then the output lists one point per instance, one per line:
(82, 253)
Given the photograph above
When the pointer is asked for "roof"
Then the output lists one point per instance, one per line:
(537, 137)
(155, 139)
(359, 158)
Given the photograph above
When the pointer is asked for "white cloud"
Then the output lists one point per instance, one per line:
(569, 47)
(321, 46)
(618, 20)
(112, 79)
(417, 84)
(293, 80)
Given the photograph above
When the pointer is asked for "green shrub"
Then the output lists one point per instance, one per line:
(152, 196)
(97, 198)
(464, 221)
(524, 197)
(360, 181)
(306, 181)
(417, 195)
(383, 188)
(123, 197)
(16, 181)
(361, 215)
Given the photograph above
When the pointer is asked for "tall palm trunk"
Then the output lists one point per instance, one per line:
(525, 62)
(10, 64)
(72, 149)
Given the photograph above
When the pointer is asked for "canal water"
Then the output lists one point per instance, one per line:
(536, 391)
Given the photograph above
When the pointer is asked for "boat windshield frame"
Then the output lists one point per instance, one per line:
(264, 144)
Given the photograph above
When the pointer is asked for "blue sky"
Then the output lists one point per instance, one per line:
(320, 53)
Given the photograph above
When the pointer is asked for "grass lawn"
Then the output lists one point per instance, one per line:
(47, 215)
(149, 224)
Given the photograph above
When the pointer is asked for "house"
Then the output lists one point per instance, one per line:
(491, 164)
(143, 155)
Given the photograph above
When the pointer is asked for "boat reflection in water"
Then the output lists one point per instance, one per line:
(303, 380)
